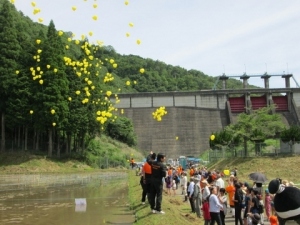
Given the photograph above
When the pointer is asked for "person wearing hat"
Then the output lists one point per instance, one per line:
(159, 171)
(255, 218)
(197, 196)
(206, 191)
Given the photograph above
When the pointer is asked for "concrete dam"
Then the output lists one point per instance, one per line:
(193, 116)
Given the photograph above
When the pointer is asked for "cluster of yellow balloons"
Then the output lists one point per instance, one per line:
(83, 68)
(159, 113)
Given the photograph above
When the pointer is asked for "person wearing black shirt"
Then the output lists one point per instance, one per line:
(159, 171)
(238, 198)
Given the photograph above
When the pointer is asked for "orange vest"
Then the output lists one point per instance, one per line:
(147, 168)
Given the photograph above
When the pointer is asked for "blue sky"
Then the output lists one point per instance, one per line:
(211, 36)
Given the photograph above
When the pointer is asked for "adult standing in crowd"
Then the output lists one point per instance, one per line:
(219, 182)
(191, 194)
(159, 171)
(183, 181)
(206, 191)
(197, 196)
(146, 174)
(238, 198)
(214, 207)
(223, 200)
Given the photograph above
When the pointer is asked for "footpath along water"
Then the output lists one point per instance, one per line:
(54, 203)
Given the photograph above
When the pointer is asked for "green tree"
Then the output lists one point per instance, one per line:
(257, 126)
(122, 130)
(291, 136)
(52, 93)
(10, 52)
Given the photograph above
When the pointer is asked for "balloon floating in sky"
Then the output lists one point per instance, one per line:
(127, 34)
(142, 70)
(52, 111)
(41, 81)
(33, 4)
(40, 20)
(128, 83)
(17, 72)
(54, 124)
(176, 138)
(138, 41)
(126, 2)
(31, 111)
(74, 8)
(212, 137)
(38, 41)
(131, 24)
(95, 5)
(95, 17)
(60, 33)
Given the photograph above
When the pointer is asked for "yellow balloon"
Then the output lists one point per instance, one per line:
(95, 6)
(48, 66)
(41, 20)
(127, 34)
(33, 4)
(131, 24)
(74, 8)
(17, 71)
(126, 2)
(60, 33)
(41, 81)
(95, 17)
(142, 70)
(108, 93)
(138, 41)
(31, 111)
(38, 41)
(226, 172)
(52, 111)
(54, 124)
(128, 83)
(176, 138)
(212, 137)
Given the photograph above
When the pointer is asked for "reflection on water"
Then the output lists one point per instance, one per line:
(104, 205)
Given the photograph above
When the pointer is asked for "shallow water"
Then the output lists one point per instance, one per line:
(105, 204)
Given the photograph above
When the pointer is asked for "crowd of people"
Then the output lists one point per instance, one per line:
(211, 194)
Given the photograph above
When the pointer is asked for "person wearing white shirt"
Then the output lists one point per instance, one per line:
(214, 207)
(219, 182)
(183, 182)
(190, 194)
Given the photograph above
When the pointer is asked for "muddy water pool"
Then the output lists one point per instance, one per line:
(89, 203)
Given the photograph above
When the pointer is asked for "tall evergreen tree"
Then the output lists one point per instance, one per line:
(10, 51)
(52, 87)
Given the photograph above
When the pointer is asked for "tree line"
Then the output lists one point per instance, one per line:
(55, 90)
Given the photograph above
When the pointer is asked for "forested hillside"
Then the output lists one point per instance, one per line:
(54, 89)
